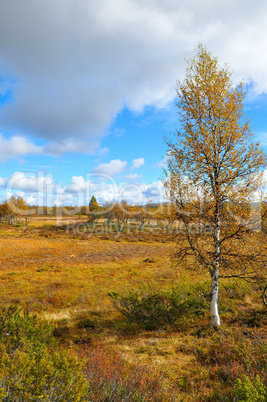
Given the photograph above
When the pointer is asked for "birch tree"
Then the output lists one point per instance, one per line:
(213, 171)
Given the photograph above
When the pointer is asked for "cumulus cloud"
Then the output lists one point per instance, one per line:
(161, 164)
(262, 137)
(19, 181)
(16, 146)
(112, 168)
(153, 191)
(137, 163)
(74, 65)
(44, 190)
(19, 146)
(132, 177)
(71, 145)
(265, 182)
(133, 193)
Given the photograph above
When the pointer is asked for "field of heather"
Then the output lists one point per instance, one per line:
(79, 282)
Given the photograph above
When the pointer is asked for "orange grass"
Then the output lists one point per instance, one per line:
(54, 273)
(67, 280)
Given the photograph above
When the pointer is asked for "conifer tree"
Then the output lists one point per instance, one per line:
(93, 215)
(93, 205)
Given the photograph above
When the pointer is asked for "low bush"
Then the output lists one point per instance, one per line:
(32, 369)
(19, 329)
(157, 308)
(111, 379)
(250, 390)
(237, 363)
(236, 290)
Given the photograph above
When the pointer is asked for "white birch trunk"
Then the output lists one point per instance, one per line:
(215, 319)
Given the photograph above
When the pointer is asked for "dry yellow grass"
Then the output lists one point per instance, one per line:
(58, 273)
(62, 278)
(67, 279)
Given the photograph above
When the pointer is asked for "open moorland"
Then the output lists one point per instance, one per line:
(99, 291)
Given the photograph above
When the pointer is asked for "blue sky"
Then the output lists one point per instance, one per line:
(87, 90)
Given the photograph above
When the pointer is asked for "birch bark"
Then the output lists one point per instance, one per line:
(215, 319)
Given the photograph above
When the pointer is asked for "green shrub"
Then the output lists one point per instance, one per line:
(248, 390)
(236, 290)
(20, 329)
(31, 367)
(157, 308)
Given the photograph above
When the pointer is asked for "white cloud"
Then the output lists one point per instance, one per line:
(119, 132)
(19, 146)
(161, 164)
(74, 65)
(265, 182)
(16, 146)
(70, 145)
(262, 138)
(137, 163)
(39, 183)
(80, 182)
(132, 177)
(153, 191)
(112, 168)
(43, 190)
(78, 185)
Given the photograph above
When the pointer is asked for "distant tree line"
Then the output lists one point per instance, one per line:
(164, 215)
